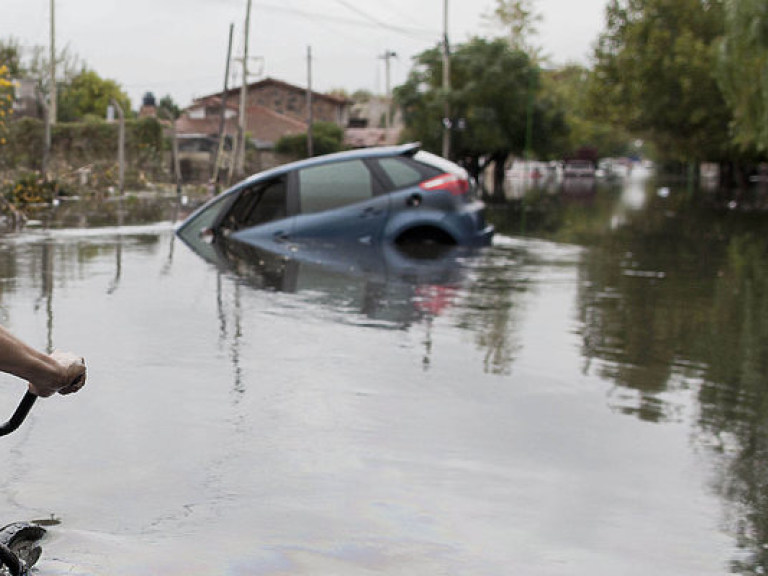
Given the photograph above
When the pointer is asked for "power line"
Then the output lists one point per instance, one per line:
(370, 21)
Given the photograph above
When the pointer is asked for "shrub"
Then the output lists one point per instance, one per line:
(30, 188)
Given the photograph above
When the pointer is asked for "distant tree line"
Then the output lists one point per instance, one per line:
(685, 80)
(81, 92)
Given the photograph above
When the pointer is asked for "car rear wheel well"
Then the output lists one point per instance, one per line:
(425, 235)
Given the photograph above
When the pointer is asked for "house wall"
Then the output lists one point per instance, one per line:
(293, 103)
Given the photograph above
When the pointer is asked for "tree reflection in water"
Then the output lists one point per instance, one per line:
(674, 297)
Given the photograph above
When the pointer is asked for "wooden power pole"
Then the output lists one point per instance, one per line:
(446, 85)
(222, 119)
(387, 56)
(52, 109)
(120, 147)
(310, 114)
(244, 95)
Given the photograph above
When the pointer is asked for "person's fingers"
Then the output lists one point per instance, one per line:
(75, 371)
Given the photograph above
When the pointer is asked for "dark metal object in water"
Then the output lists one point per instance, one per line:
(18, 541)
(19, 550)
(19, 415)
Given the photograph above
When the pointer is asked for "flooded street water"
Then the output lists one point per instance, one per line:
(586, 396)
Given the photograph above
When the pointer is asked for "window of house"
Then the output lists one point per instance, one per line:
(334, 185)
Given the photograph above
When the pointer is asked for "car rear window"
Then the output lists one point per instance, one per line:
(400, 172)
(334, 185)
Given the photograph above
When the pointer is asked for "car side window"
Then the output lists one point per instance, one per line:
(258, 204)
(400, 172)
(334, 185)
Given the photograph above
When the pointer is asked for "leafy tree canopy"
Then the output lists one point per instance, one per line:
(518, 20)
(569, 86)
(494, 93)
(6, 101)
(10, 57)
(741, 71)
(167, 108)
(327, 137)
(89, 94)
(653, 75)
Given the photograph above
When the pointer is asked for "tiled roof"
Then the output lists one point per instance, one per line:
(233, 92)
(208, 126)
(268, 126)
(213, 101)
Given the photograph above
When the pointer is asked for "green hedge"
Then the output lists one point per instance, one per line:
(90, 143)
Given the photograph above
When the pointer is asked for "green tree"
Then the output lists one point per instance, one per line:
(654, 75)
(569, 86)
(493, 90)
(327, 137)
(10, 57)
(167, 108)
(89, 95)
(518, 19)
(361, 96)
(741, 71)
(6, 102)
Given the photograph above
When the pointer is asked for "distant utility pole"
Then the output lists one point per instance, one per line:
(52, 103)
(220, 147)
(310, 114)
(386, 57)
(243, 95)
(446, 85)
(120, 146)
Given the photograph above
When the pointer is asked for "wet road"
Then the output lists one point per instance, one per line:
(583, 397)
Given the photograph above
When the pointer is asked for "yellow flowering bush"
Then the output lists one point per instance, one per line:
(6, 102)
(28, 189)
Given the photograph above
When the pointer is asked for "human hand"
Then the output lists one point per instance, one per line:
(70, 377)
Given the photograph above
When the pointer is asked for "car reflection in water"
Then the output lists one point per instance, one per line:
(383, 281)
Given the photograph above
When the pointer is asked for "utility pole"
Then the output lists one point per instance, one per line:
(446, 85)
(52, 103)
(310, 114)
(386, 57)
(243, 95)
(220, 147)
(49, 108)
(120, 147)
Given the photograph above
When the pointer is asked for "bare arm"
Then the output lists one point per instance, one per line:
(47, 374)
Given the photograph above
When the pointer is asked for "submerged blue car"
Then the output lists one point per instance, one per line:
(397, 194)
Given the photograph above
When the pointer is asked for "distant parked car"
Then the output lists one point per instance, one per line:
(579, 169)
(398, 194)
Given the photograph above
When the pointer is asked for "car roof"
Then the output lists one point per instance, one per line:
(359, 153)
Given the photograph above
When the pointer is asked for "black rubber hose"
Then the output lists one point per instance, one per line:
(18, 416)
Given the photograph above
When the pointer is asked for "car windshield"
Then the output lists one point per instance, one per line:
(257, 204)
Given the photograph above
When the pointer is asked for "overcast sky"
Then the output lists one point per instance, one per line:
(179, 47)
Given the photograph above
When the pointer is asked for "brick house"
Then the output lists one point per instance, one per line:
(273, 109)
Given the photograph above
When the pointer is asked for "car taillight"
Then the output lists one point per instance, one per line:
(453, 183)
